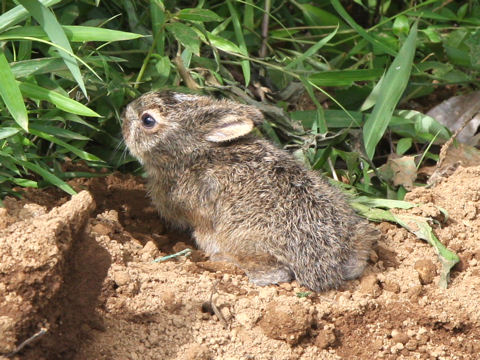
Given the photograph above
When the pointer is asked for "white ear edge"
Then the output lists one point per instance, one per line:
(230, 130)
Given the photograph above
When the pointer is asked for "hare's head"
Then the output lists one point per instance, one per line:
(175, 123)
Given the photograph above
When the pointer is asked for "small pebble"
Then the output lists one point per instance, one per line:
(426, 270)
(399, 337)
(325, 338)
(121, 278)
(286, 286)
(369, 285)
(411, 345)
(391, 286)
(101, 229)
(150, 249)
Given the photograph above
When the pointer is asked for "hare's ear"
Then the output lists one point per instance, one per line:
(229, 128)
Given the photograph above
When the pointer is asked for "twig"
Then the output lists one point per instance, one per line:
(445, 3)
(282, 120)
(467, 117)
(185, 252)
(31, 339)
(332, 169)
(144, 65)
(265, 23)
(215, 308)
(184, 74)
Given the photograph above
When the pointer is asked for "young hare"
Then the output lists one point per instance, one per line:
(245, 200)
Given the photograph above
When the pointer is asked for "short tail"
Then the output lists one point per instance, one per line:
(365, 236)
(329, 270)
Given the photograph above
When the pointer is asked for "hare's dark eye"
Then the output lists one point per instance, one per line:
(148, 121)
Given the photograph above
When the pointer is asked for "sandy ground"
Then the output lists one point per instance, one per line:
(78, 281)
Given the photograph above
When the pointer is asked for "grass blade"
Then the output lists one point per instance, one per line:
(361, 31)
(25, 182)
(371, 99)
(223, 44)
(237, 27)
(6, 132)
(19, 13)
(49, 65)
(79, 152)
(393, 85)
(37, 66)
(157, 14)
(62, 102)
(59, 132)
(62, 49)
(384, 203)
(186, 36)
(49, 177)
(419, 226)
(312, 50)
(319, 124)
(11, 94)
(73, 33)
(54, 30)
(196, 14)
(344, 77)
(248, 20)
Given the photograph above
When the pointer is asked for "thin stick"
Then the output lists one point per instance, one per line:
(31, 339)
(467, 117)
(185, 252)
(334, 173)
(214, 307)
(265, 23)
(184, 74)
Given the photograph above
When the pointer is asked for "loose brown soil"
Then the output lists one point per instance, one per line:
(81, 271)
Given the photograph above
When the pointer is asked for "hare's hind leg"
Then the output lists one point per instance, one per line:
(365, 236)
(261, 270)
(269, 276)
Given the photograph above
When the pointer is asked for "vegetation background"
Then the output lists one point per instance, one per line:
(344, 84)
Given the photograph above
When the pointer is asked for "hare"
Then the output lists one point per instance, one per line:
(245, 200)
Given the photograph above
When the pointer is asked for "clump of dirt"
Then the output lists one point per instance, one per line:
(286, 320)
(86, 275)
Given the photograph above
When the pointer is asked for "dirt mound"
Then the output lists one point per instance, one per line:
(35, 251)
(78, 281)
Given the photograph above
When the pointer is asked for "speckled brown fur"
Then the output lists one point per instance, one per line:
(246, 201)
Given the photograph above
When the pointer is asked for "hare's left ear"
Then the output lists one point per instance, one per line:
(229, 128)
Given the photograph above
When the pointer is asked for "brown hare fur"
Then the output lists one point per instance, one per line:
(245, 200)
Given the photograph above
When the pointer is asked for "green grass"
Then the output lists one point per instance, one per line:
(356, 66)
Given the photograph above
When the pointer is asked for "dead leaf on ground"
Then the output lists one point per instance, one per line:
(453, 112)
(460, 155)
(400, 171)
